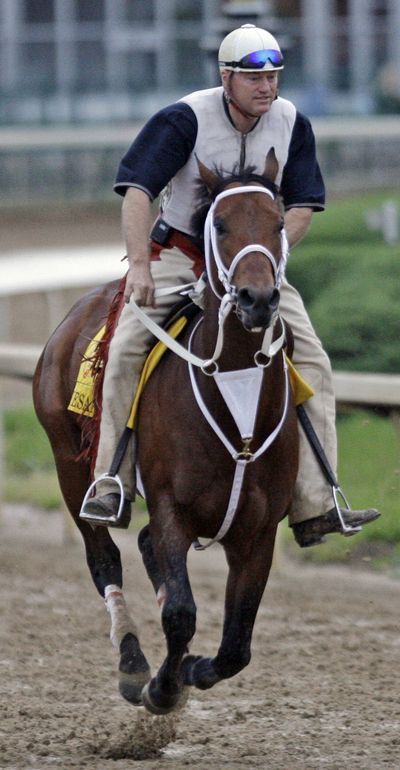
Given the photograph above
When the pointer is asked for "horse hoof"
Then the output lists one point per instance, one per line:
(160, 710)
(199, 672)
(131, 686)
(134, 670)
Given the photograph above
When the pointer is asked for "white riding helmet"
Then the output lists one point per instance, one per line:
(250, 49)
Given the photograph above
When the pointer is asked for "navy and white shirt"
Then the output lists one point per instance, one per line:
(163, 156)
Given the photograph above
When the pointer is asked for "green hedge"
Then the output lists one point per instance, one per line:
(349, 279)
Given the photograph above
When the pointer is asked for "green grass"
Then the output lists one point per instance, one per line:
(38, 488)
(30, 475)
(369, 474)
(369, 452)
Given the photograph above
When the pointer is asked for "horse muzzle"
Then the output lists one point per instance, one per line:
(255, 307)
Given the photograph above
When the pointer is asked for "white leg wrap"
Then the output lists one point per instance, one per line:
(121, 621)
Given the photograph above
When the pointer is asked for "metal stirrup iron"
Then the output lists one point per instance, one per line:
(111, 476)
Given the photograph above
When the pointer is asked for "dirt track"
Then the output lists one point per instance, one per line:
(322, 690)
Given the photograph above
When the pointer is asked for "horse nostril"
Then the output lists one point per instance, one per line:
(274, 300)
(246, 298)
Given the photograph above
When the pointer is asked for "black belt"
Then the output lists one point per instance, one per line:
(162, 233)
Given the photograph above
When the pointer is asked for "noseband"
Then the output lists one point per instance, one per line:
(225, 274)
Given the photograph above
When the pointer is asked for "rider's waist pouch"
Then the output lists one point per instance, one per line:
(163, 236)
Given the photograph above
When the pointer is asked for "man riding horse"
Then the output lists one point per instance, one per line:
(234, 125)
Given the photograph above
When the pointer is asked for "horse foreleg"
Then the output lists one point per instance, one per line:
(248, 574)
(102, 556)
(166, 691)
(134, 670)
(104, 561)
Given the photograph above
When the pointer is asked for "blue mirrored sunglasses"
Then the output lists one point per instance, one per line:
(258, 59)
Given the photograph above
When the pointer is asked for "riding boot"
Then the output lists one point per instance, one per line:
(312, 531)
(103, 511)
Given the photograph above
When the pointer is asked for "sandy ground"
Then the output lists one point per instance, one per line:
(322, 689)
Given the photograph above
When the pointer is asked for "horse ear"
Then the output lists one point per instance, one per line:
(271, 165)
(207, 176)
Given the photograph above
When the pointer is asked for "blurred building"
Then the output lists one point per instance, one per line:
(113, 60)
(79, 77)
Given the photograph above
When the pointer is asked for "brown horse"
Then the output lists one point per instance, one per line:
(188, 468)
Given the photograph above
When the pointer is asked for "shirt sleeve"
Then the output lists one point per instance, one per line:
(161, 148)
(302, 184)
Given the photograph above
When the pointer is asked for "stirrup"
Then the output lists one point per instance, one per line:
(346, 529)
(115, 518)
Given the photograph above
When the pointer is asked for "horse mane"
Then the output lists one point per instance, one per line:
(205, 198)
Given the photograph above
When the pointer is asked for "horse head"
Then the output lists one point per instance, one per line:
(245, 244)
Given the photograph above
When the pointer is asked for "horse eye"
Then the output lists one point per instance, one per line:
(219, 227)
(281, 225)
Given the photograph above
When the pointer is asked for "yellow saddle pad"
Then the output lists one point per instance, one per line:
(82, 399)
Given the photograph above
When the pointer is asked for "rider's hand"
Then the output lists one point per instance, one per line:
(140, 285)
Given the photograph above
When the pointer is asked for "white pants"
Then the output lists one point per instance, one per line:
(128, 350)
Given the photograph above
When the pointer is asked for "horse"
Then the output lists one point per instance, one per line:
(194, 462)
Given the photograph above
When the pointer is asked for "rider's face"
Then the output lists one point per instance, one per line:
(254, 92)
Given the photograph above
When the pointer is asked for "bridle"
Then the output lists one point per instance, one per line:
(229, 300)
(225, 274)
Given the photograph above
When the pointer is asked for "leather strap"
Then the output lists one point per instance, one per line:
(316, 446)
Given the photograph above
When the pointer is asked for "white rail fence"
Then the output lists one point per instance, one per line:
(18, 360)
